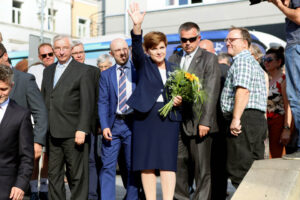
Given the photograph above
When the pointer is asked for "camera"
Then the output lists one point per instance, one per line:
(253, 2)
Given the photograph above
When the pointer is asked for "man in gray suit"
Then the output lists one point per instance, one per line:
(69, 93)
(194, 147)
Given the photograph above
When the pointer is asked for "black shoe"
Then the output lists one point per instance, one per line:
(34, 196)
(43, 195)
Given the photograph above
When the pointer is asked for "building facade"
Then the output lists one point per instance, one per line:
(167, 15)
(19, 19)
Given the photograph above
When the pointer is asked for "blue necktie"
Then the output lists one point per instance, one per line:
(122, 90)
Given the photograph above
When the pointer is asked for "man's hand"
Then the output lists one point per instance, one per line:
(79, 137)
(16, 193)
(37, 150)
(177, 101)
(280, 3)
(235, 127)
(107, 134)
(203, 130)
(285, 136)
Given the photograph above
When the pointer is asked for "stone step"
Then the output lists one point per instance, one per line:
(273, 179)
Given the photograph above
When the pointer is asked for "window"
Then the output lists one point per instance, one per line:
(182, 2)
(83, 28)
(51, 21)
(16, 12)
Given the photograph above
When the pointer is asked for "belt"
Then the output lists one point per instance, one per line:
(124, 117)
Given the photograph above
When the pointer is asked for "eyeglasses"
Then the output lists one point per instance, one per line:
(47, 54)
(231, 40)
(268, 59)
(184, 40)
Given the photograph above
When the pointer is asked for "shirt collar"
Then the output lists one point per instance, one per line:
(127, 65)
(242, 53)
(65, 64)
(4, 104)
(191, 54)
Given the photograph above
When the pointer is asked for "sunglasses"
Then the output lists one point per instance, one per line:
(231, 40)
(193, 39)
(47, 54)
(268, 59)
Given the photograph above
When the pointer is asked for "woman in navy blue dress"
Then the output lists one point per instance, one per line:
(154, 139)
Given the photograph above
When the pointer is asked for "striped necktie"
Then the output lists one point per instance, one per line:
(122, 90)
(186, 62)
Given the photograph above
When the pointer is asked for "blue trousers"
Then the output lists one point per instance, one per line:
(292, 64)
(121, 136)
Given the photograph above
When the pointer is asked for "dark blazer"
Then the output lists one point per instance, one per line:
(205, 66)
(27, 94)
(16, 149)
(70, 103)
(108, 95)
(150, 85)
(95, 120)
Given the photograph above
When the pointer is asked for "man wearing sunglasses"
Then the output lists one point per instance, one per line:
(195, 138)
(47, 57)
(243, 103)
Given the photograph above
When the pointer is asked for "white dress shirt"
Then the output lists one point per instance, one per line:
(3, 107)
(189, 61)
(37, 72)
(60, 68)
(163, 76)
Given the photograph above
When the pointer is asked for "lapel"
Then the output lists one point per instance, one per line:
(113, 78)
(64, 74)
(16, 78)
(51, 74)
(195, 61)
(7, 115)
(133, 76)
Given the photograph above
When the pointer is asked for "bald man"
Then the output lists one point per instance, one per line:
(207, 45)
(116, 86)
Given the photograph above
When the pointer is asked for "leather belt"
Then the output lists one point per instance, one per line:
(123, 117)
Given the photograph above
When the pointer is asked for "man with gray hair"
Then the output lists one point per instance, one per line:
(105, 61)
(68, 90)
(78, 51)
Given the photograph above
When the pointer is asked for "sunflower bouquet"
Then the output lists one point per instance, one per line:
(184, 84)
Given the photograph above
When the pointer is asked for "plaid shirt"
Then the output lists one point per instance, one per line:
(247, 73)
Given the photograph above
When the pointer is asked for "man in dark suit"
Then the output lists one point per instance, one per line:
(27, 94)
(116, 85)
(194, 148)
(93, 162)
(69, 94)
(16, 138)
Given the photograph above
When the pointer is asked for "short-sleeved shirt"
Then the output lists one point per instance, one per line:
(247, 73)
(292, 29)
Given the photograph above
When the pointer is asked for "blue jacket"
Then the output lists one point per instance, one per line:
(150, 85)
(108, 96)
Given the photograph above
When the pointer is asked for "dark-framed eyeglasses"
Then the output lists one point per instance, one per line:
(231, 40)
(184, 40)
(47, 54)
(268, 59)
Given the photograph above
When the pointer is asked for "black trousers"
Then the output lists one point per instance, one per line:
(248, 146)
(64, 151)
(193, 163)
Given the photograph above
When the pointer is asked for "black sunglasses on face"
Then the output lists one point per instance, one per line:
(47, 54)
(268, 59)
(193, 39)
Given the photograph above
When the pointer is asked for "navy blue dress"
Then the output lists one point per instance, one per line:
(154, 138)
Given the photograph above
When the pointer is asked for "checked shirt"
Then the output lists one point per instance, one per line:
(247, 73)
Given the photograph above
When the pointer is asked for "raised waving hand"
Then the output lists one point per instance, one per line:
(137, 17)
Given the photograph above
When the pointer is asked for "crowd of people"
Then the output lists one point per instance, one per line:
(84, 120)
